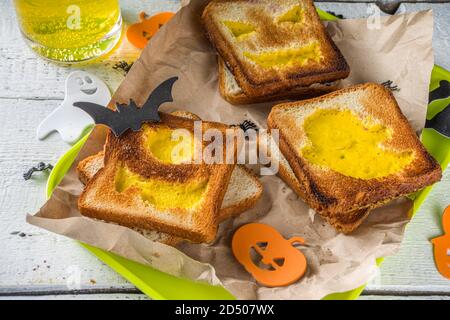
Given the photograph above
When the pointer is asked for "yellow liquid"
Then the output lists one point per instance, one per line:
(341, 141)
(162, 194)
(68, 30)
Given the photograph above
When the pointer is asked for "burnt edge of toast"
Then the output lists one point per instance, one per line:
(251, 87)
(321, 199)
(345, 222)
(347, 226)
(130, 149)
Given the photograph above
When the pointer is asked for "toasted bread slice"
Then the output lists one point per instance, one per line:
(242, 192)
(352, 149)
(139, 187)
(230, 90)
(272, 47)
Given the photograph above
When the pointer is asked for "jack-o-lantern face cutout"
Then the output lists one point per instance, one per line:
(442, 246)
(280, 31)
(273, 45)
(280, 263)
(141, 32)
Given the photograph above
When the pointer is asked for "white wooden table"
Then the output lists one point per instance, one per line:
(38, 264)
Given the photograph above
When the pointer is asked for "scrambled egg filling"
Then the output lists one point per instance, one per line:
(239, 29)
(341, 141)
(162, 194)
(294, 15)
(287, 57)
(169, 146)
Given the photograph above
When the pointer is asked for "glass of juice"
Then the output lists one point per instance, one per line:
(70, 30)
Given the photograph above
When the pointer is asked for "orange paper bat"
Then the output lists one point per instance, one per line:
(442, 246)
(285, 264)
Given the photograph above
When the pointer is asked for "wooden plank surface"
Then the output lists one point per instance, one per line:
(37, 262)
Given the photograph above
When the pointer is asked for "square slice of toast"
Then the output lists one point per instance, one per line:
(243, 191)
(138, 187)
(352, 149)
(270, 46)
(232, 92)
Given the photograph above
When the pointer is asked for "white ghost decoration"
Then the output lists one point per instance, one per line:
(68, 120)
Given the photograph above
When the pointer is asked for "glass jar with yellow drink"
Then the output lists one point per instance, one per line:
(70, 30)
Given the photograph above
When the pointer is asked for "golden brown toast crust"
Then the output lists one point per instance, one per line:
(258, 81)
(294, 93)
(100, 199)
(331, 192)
(85, 174)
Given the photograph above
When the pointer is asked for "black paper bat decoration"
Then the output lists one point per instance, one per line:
(441, 122)
(130, 116)
(441, 92)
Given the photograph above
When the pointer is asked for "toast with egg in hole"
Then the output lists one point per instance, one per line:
(272, 47)
(142, 185)
(230, 90)
(352, 149)
(243, 191)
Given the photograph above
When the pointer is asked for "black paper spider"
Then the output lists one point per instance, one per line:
(41, 166)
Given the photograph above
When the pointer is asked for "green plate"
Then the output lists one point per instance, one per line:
(160, 285)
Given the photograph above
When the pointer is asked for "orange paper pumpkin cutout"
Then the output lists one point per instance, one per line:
(285, 263)
(141, 32)
(442, 246)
